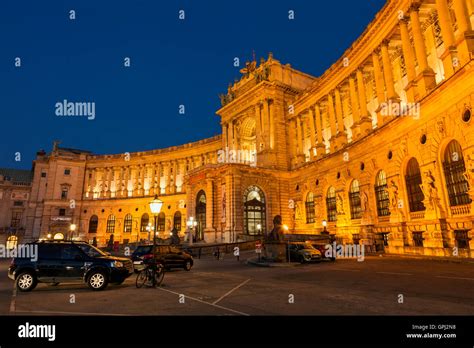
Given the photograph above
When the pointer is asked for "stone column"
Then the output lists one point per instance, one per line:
(231, 136)
(409, 56)
(426, 80)
(224, 136)
(379, 85)
(271, 117)
(332, 121)
(312, 134)
(465, 42)
(355, 108)
(89, 188)
(340, 139)
(447, 33)
(388, 73)
(209, 211)
(299, 140)
(365, 124)
(291, 141)
(258, 127)
(320, 147)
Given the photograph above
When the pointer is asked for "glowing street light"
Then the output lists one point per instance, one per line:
(72, 228)
(155, 207)
(191, 223)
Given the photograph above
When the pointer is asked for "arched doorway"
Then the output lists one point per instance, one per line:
(200, 215)
(254, 211)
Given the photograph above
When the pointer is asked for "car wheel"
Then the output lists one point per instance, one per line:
(188, 266)
(26, 281)
(97, 280)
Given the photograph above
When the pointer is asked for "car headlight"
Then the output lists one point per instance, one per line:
(116, 264)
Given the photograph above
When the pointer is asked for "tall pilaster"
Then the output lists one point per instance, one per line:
(320, 147)
(341, 136)
(426, 80)
(447, 32)
(409, 57)
(465, 41)
(332, 122)
(365, 123)
(388, 73)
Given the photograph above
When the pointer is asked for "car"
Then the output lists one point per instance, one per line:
(67, 262)
(322, 248)
(303, 252)
(170, 256)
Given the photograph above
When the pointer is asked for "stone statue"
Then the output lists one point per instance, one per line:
(393, 194)
(298, 215)
(365, 202)
(430, 191)
(339, 205)
(277, 233)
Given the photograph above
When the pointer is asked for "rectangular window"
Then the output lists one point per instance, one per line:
(16, 219)
(356, 239)
(43, 174)
(18, 203)
(64, 192)
(418, 239)
(462, 239)
(62, 212)
(67, 171)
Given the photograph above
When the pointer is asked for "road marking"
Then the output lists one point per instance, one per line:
(230, 291)
(210, 304)
(78, 313)
(13, 301)
(395, 273)
(461, 278)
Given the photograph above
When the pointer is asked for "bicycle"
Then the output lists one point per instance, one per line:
(152, 275)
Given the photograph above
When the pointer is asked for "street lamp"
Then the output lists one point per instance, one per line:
(325, 224)
(155, 207)
(72, 228)
(149, 228)
(259, 228)
(191, 223)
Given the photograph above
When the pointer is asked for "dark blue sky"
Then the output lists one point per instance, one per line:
(173, 62)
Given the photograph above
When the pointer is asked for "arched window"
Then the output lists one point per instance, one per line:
(413, 182)
(145, 220)
(127, 223)
(381, 194)
(93, 224)
(454, 169)
(200, 215)
(331, 204)
(177, 221)
(111, 224)
(254, 211)
(310, 208)
(354, 200)
(161, 222)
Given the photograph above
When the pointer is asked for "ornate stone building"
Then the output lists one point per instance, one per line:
(381, 147)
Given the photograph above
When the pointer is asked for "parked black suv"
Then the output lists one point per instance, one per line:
(170, 256)
(69, 261)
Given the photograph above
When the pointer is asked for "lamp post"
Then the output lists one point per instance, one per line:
(72, 228)
(325, 224)
(149, 228)
(155, 207)
(259, 228)
(191, 223)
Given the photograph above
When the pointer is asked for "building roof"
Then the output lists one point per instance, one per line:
(17, 175)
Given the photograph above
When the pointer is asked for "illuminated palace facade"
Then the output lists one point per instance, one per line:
(381, 147)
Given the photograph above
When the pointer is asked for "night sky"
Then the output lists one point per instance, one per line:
(173, 62)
